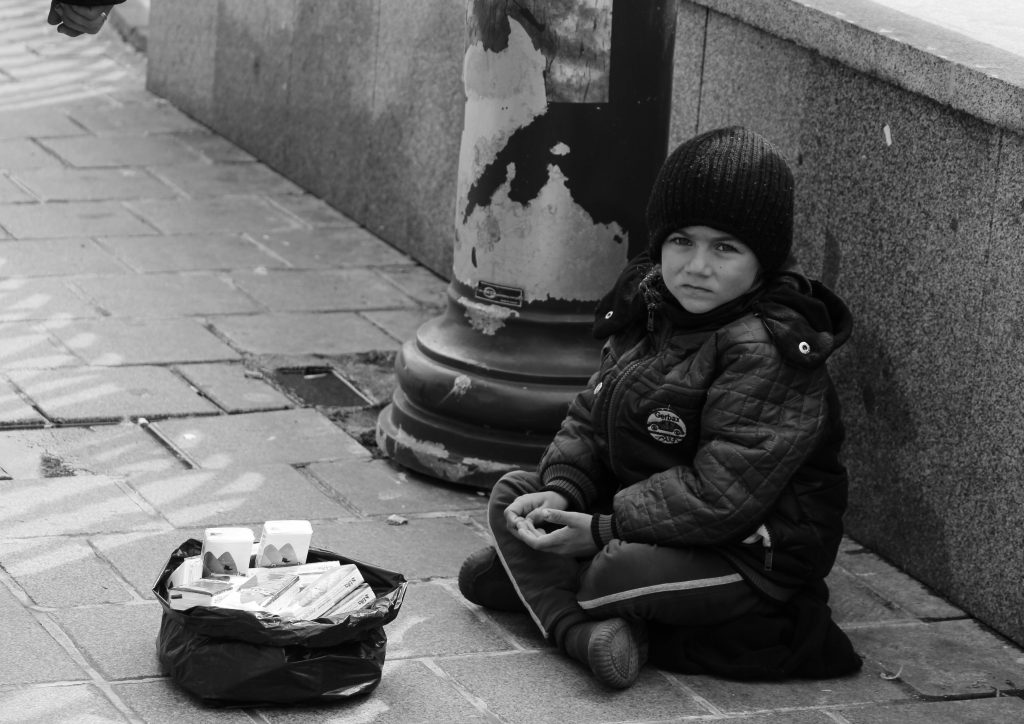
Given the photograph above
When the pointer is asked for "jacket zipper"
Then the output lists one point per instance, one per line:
(766, 542)
(616, 393)
(612, 409)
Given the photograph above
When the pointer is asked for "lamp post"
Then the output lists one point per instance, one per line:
(566, 124)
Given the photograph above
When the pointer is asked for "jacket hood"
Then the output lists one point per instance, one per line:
(805, 319)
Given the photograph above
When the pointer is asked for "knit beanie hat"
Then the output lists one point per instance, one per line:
(730, 179)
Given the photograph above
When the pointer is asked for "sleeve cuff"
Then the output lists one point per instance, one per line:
(603, 529)
(567, 489)
(573, 481)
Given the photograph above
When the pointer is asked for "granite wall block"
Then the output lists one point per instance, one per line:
(331, 86)
(410, 186)
(691, 27)
(989, 497)
(908, 220)
(181, 48)
(251, 84)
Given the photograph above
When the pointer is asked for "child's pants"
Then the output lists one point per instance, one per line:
(636, 581)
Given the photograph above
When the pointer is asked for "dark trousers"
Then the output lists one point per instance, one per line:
(636, 581)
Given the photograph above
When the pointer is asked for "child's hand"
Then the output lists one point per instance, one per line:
(572, 537)
(73, 20)
(521, 507)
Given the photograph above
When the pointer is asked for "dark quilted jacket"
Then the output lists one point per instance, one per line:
(701, 437)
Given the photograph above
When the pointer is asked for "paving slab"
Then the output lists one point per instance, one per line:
(101, 450)
(518, 626)
(36, 123)
(129, 341)
(410, 692)
(191, 252)
(20, 154)
(308, 291)
(45, 300)
(233, 213)
(550, 687)
(48, 704)
(94, 218)
(139, 557)
(146, 119)
(42, 658)
(1002, 710)
(854, 603)
(896, 586)
(166, 295)
(324, 333)
(62, 572)
(162, 702)
(421, 284)
(313, 211)
(27, 347)
(285, 436)
(433, 623)
(421, 548)
(332, 248)
(93, 184)
(400, 323)
(236, 496)
(72, 505)
(117, 640)
(11, 192)
(203, 180)
(16, 411)
(735, 698)
(90, 394)
(53, 257)
(234, 388)
(119, 150)
(943, 659)
(375, 487)
(213, 147)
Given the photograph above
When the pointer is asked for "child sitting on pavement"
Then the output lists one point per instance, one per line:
(695, 484)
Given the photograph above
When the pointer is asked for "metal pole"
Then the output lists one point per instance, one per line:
(566, 124)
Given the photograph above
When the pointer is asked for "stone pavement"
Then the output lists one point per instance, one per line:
(167, 305)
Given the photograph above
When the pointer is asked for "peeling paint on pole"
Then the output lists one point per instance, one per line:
(486, 318)
(519, 223)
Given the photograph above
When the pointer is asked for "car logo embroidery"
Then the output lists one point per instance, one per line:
(666, 426)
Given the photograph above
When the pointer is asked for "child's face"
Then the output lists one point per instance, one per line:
(704, 268)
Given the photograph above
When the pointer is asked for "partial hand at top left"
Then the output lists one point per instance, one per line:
(73, 20)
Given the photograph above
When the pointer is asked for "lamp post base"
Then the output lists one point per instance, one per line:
(474, 402)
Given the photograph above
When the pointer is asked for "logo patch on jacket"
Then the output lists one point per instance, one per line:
(666, 426)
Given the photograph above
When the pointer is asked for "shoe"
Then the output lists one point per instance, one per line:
(614, 649)
(483, 581)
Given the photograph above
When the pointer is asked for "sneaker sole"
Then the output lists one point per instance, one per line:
(613, 654)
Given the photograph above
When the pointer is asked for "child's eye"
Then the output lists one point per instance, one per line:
(726, 247)
(679, 240)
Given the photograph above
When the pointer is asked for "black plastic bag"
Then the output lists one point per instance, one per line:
(230, 657)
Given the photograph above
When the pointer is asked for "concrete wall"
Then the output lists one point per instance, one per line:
(910, 169)
(359, 102)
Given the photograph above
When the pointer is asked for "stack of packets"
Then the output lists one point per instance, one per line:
(279, 582)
